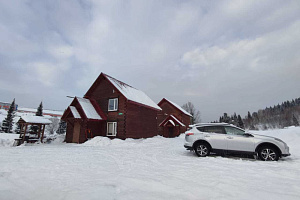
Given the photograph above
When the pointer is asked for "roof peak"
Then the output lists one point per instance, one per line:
(121, 82)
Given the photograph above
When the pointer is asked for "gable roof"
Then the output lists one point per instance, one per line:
(171, 119)
(176, 106)
(34, 120)
(75, 112)
(87, 109)
(129, 92)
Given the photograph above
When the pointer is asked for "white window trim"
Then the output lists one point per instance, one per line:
(116, 102)
(114, 129)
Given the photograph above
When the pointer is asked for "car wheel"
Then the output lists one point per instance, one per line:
(268, 153)
(202, 149)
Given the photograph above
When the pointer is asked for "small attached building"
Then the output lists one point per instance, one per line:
(172, 119)
(111, 108)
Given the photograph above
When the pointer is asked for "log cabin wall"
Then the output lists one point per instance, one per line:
(104, 91)
(141, 122)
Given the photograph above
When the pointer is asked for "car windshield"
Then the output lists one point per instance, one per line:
(234, 131)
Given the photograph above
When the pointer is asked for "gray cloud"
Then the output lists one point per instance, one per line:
(225, 56)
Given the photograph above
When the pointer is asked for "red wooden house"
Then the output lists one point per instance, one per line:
(111, 108)
(172, 119)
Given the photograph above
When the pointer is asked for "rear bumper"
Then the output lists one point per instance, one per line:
(188, 147)
(285, 155)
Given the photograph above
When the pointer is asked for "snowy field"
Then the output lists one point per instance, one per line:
(155, 168)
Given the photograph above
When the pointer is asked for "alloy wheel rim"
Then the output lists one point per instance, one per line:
(202, 150)
(268, 154)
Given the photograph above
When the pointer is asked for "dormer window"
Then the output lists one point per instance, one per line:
(113, 104)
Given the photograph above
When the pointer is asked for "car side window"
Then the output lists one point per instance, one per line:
(233, 131)
(213, 129)
(201, 129)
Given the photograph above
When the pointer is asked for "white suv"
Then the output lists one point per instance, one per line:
(222, 138)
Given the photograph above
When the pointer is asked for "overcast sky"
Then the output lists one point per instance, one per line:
(223, 56)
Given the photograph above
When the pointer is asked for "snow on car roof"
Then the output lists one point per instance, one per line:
(75, 112)
(36, 119)
(88, 108)
(132, 94)
(178, 107)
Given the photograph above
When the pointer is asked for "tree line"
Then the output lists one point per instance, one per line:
(278, 116)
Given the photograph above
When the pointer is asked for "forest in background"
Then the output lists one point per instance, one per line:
(279, 116)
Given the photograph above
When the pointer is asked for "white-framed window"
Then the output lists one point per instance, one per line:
(111, 128)
(113, 104)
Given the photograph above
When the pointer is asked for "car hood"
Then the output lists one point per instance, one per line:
(263, 136)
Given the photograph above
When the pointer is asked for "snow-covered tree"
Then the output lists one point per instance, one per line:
(190, 108)
(8, 123)
(18, 129)
(62, 128)
(52, 128)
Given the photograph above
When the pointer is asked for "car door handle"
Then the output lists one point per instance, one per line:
(230, 137)
(206, 136)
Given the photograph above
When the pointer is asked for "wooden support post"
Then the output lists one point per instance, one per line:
(24, 133)
(39, 133)
(21, 129)
(43, 132)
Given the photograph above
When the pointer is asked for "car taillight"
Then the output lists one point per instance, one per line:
(189, 134)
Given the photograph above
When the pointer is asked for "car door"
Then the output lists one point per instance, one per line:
(238, 141)
(216, 136)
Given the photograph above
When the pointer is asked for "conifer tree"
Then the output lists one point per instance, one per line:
(62, 127)
(295, 121)
(39, 111)
(34, 128)
(18, 129)
(240, 122)
(7, 123)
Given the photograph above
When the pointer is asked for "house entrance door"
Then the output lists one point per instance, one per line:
(76, 132)
(171, 131)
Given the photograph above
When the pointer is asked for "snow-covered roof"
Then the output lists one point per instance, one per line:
(36, 119)
(171, 121)
(88, 108)
(133, 94)
(173, 118)
(75, 112)
(178, 107)
(179, 122)
(45, 111)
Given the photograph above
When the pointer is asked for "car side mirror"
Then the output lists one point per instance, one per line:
(248, 135)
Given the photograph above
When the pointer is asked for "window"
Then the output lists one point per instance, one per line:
(214, 129)
(113, 104)
(234, 131)
(111, 128)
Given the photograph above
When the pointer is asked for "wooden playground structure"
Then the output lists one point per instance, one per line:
(31, 137)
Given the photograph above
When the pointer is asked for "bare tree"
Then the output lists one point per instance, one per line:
(196, 115)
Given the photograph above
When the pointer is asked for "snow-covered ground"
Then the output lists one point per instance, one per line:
(154, 168)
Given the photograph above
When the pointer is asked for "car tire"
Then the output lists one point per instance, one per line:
(202, 149)
(268, 153)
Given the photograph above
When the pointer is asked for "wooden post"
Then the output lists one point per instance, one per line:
(43, 132)
(24, 133)
(21, 129)
(39, 133)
